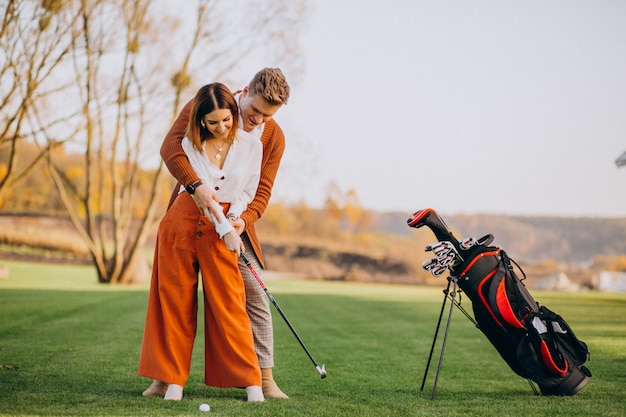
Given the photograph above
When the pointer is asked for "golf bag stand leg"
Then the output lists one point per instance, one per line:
(432, 346)
(451, 296)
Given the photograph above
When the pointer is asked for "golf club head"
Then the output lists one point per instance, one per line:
(438, 270)
(467, 243)
(429, 264)
(321, 370)
(434, 267)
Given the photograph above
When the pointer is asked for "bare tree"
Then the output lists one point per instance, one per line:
(35, 40)
(126, 65)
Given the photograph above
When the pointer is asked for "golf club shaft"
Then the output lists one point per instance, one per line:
(321, 370)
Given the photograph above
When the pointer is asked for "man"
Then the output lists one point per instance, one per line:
(258, 102)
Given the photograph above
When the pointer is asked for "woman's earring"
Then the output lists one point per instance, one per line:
(202, 124)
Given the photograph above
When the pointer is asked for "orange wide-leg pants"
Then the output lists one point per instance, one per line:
(187, 243)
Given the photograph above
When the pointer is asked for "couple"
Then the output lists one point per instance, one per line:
(224, 150)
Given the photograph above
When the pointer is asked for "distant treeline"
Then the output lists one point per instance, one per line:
(563, 239)
(343, 218)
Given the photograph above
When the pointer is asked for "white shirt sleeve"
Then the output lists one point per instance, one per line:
(223, 227)
(199, 162)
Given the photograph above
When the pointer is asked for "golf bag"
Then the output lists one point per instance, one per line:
(535, 342)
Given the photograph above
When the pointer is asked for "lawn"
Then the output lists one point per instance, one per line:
(69, 347)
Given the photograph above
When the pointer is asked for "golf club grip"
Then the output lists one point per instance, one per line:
(251, 268)
(430, 218)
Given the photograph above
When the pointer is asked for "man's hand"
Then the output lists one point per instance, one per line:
(239, 224)
(206, 200)
(233, 242)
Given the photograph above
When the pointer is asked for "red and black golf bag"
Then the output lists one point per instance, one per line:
(534, 341)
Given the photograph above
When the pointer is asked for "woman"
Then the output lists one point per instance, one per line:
(187, 244)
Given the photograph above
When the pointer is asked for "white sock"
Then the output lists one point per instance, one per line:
(174, 392)
(255, 393)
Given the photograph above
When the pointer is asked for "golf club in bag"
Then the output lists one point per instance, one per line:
(320, 369)
(535, 342)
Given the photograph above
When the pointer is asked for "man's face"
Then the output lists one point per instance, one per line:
(255, 110)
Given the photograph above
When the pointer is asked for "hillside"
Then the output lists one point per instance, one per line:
(543, 246)
(533, 239)
(389, 251)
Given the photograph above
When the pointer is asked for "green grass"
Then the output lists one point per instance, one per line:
(69, 347)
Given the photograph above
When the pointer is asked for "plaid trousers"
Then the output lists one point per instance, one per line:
(258, 308)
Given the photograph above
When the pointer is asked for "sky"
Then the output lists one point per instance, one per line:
(494, 107)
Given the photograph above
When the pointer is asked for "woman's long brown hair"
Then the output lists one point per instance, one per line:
(208, 98)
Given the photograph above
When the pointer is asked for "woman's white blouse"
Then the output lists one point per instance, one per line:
(237, 181)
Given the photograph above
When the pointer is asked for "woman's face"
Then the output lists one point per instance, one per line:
(219, 123)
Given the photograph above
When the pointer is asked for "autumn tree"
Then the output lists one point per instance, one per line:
(124, 68)
(345, 209)
(35, 38)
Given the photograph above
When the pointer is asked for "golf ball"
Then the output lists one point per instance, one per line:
(205, 407)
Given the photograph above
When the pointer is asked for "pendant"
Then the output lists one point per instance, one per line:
(218, 156)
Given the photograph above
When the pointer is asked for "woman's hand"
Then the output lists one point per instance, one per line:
(207, 201)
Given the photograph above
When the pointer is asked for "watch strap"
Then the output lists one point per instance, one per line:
(191, 188)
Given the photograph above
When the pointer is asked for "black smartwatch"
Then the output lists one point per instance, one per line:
(192, 187)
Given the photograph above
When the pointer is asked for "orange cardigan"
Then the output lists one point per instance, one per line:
(177, 163)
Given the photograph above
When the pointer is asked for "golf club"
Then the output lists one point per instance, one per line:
(434, 267)
(445, 251)
(320, 369)
(429, 217)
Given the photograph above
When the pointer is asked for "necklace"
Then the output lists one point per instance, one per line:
(218, 155)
